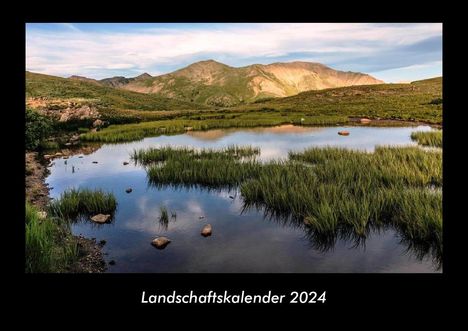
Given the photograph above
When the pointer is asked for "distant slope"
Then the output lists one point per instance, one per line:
(44, 86)
(419, 100)
(217, 84)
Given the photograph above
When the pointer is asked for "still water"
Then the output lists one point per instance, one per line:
(242, 240)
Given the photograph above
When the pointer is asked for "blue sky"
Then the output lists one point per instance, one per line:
(393, 52)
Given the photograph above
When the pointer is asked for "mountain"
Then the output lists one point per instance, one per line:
(217, 84)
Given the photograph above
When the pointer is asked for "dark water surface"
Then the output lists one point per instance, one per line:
(242, 241)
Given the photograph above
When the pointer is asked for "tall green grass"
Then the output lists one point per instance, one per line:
(49, 246)
(428, 138)
(76, 203)
(327, 189)
(129, 132)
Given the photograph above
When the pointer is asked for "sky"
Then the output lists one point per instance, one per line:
(392, 52)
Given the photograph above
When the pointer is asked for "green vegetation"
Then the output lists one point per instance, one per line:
(76, 203)
(44, 86)
(408, 102)
(49, 246)
(37, 128)
(164, 217)
(153, 155)
(129, 132)
(428, 138)
(330, 190)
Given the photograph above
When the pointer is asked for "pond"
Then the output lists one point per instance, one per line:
(242, 240)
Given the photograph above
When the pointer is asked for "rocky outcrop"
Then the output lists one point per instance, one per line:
(64, 110)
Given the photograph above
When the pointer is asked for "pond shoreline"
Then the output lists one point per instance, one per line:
(90, 256)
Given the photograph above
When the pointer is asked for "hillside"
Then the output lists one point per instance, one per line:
(419, 100)
(51, 87)
(213, 83)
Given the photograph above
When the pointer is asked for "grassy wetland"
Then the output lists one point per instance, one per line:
(328, 189)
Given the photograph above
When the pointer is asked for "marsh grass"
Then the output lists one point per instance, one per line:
(428, 138)
(329, 190)
(49, 246)
(129, 132)
(75, 203)
(163, 217)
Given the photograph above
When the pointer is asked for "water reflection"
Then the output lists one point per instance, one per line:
(243, 240)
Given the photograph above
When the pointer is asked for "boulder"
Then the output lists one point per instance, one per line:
(365, 120)
(129, 190)
(206, 231)
(160, 242)
(101, 218)
(97, 123)
(343, 133)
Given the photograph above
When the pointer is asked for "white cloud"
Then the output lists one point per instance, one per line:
(72, 51)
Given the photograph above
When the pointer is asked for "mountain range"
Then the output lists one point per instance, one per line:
(217, 84)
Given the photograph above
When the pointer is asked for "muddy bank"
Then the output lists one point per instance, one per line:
(37, 192)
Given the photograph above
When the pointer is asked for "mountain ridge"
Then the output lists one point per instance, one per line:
(217, 84)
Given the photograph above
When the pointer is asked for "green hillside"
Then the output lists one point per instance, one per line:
(420, 101)
(44, 86)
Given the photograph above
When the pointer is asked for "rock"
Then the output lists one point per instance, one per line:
(206, 231)
(102, 242)
(101, 218)
(65, 157)
(365, 120)
(111, 262)
(97, 123)
(58, 154)
(95, 162)
(231, 197)
(160, 242)
(68, 144)
(42, 214)
(129, 190)
(47, 156)
(201, 217)
(125, 163)
(80, 157)
(343, 133)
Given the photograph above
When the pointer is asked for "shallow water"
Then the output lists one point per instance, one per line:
(242, 241)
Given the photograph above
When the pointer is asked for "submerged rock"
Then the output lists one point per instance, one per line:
(343, 133)
(206, 231)
(101, 218)
(160, 242)
(129, 190)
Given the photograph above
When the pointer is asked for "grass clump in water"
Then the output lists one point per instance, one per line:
(428, 138)
(327, 189)
(49, 246)
(76, 203)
